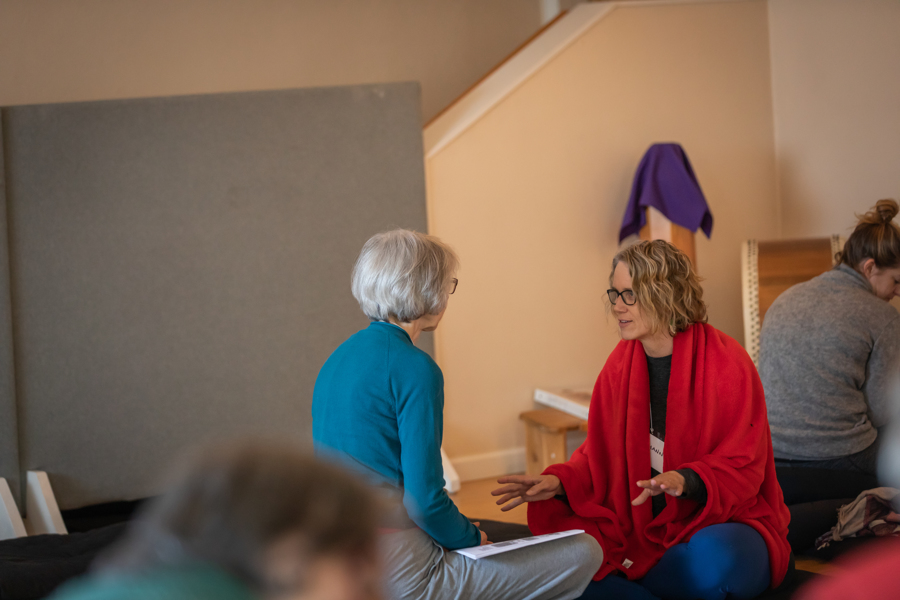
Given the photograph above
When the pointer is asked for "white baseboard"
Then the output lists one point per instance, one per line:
(490, 464)
(451, 479)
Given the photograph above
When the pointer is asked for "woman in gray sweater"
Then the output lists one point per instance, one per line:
(829, 355)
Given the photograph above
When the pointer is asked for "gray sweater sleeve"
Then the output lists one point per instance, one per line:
(882, 372)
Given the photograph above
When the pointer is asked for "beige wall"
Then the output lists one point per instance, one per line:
(59, 51)
(533, 194)
(836, 91)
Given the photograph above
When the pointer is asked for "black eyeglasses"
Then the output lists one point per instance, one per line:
(454, 282)
(628, 296)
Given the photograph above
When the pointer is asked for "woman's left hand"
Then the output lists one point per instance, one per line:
(670, 482)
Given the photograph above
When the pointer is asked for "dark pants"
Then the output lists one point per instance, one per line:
(829, 479)
(725, 560)
(815, 489)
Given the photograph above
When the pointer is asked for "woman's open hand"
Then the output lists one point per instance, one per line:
(524, 488)
(670, 482)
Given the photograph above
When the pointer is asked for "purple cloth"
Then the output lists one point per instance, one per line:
(665, 180)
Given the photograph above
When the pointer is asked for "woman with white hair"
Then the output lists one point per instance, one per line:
(378, 409)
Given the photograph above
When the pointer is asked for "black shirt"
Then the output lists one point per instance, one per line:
(660, 370)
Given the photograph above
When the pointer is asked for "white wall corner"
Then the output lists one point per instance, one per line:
(493, 89)
(490, 464)
(11, 524)
(776, 130)
(549, 10)
(41, 510)
(478, 101)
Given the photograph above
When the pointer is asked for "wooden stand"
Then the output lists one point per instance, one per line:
(545, 437)
(658, 227)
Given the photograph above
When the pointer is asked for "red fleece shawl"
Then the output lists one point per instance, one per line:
(715, 424)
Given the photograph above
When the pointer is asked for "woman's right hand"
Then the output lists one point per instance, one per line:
(484, 540)
(525, 488)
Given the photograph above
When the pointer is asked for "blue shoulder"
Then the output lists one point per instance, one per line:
(406, 357)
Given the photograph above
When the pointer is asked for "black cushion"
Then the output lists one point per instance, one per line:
(793, 582)
(498, 531)
(809, 520)
(32, 567)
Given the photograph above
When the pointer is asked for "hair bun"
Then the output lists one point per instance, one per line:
(886, 210)
(875, 236)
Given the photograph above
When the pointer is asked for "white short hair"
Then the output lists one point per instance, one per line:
(403, 275)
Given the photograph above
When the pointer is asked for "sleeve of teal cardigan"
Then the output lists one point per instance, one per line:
(419, 392)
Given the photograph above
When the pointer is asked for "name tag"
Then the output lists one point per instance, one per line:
(656, 453)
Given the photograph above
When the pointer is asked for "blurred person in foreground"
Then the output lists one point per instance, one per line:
(676, 479)
(829, 348)
(871, 572)
(378, 409)
(251, 521)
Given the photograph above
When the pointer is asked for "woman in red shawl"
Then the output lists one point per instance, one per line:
(676, 479)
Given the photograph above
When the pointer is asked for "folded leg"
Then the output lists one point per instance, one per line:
(725, 560)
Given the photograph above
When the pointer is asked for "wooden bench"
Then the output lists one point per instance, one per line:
(545, 437)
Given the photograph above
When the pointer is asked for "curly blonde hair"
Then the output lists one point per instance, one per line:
(665, 285)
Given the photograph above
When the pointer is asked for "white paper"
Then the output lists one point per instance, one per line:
(477, 552)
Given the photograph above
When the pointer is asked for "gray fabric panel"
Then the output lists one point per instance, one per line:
(9, 439)
(181, 266)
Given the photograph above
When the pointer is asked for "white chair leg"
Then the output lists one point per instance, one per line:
(42, 511)
(451, 479)
(11, 525)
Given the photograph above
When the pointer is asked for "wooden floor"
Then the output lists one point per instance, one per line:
(475, 501)
(814, 564)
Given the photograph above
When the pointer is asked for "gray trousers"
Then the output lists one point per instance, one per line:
(417, 568)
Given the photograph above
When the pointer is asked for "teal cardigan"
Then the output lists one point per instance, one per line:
(378, 410)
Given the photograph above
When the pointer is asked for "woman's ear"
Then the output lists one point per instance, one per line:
(867, 266)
